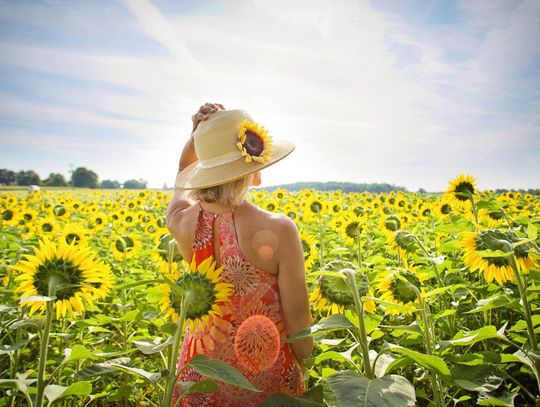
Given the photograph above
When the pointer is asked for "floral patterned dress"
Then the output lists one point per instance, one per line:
(249, 335)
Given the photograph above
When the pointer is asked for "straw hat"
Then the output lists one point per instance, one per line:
(230, 145)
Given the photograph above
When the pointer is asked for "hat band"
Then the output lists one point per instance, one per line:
(220, 159)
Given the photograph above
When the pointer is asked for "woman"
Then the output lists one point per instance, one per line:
(261, 254)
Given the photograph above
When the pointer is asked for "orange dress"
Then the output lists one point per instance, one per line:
(256, 349)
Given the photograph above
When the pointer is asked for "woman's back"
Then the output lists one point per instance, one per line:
(258, 233)
(250, 333)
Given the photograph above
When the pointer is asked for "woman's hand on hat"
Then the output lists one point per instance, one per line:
(204, 111)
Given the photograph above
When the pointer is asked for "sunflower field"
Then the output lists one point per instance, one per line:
(418, 299)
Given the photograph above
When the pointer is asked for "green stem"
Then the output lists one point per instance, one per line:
(527, 311)
(359, 242)
(429, 337)
(43, 354)
(368, 371)
(173, 358)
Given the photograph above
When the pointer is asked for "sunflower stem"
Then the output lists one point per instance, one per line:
(429, 336)
(359, 241)
(44, 346)
(368, 371)
(526, 309)
(173, 357)
(475, 213)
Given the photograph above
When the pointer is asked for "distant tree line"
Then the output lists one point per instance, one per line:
(344, 186)
(80, 178)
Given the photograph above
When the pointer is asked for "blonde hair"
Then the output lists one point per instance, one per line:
(231, 193)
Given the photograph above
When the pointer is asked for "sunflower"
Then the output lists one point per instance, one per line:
(401, 241)
(352, 226)
(98, 221)
(309, 246)
(461, 189)
(47, 225)
(271, 205)
(497, 268)
(254, 142)
(68, 273)
(125, 246)
(74, 232)
(390, 224)
(335, 294)
(206, 293)
(394, 286)
(313, 208)
(291, 211)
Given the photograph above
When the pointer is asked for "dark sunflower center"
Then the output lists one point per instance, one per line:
(28, 216)
(495, 215)
(7, 214)
(253, 144)
(463, 189)
(392, 223)
(129, 218)
(271, 207)
(315, 207)
(70, 237)
(59, 210)
(338, 292)
(46, 227)
(128, 244)
(352, 229)
(202, 292)
(445, 209)
(66, 277)
(98, 221)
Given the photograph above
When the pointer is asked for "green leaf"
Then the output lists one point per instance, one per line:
(353, 390)
(219, 370)
(36, 298)
(133, 315)
(54, 392)
(471, 337)
(100, 368)
(335, 321)
(338, 356)
(431, 362)
(150, 377)
(202, 386)
(493, 253)
(493, 303)
(506, 400)
(78, 352)
(13, 347)
(479, 378)
(280, 399)
(532, 231)
(148, 346)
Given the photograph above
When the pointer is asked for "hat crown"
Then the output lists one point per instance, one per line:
(215, 138)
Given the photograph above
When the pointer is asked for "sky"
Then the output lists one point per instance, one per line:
(409, 92)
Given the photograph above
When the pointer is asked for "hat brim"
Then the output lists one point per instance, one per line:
(195, 177)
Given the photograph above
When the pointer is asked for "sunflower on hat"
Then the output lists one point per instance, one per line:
(254, 142)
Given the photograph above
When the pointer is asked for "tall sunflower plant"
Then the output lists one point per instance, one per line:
(343, 289)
